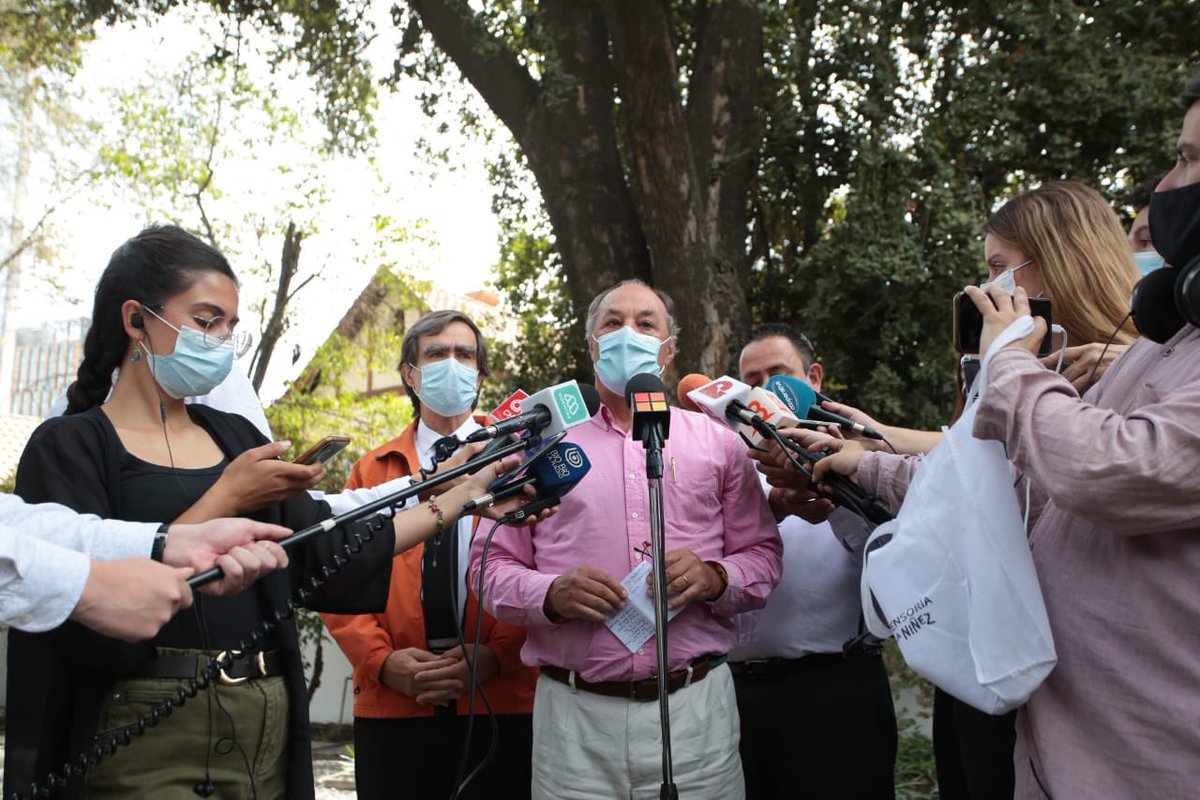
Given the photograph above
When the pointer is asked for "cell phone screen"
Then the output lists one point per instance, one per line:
(968, 324)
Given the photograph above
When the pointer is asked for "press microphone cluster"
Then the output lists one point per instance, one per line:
(803, 401)
(742, 406)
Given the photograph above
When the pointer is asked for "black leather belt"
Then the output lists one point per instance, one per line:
(643, 690)
(774, 667)
(241, 667)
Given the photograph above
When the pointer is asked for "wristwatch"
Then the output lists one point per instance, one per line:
(160, 543)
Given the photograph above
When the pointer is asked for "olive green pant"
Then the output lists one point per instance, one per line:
(244, 749)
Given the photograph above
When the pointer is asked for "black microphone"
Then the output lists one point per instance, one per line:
(647, 399)
(552, 472)
(550, 411)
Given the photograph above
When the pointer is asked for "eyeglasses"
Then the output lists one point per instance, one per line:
(216, 332)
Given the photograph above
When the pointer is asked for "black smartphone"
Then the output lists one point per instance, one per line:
(968, 324)
(324, 450)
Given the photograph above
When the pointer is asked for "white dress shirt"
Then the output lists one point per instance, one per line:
(44, 558)
(817, 604)
(425, 439)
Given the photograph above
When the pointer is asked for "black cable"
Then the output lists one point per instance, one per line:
(1088, 383)
(473, 664)
(190, 687)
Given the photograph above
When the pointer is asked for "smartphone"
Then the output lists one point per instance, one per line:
(324, 450)
(968, 324)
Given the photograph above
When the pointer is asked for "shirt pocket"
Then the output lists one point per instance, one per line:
(692, 494)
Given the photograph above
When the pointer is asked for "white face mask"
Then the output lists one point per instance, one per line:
(1007, 280)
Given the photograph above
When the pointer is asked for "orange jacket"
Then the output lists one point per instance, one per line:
(368, 639)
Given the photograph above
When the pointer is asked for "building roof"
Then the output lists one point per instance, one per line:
(15, 430)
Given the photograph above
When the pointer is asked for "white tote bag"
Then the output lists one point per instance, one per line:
(953, 576)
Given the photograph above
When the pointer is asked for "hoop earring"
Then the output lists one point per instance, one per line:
(136, 357)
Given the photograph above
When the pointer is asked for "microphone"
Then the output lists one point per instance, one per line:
(549, 411)
(744, 408)
(552, 472)
(802, 400)
(647, 399)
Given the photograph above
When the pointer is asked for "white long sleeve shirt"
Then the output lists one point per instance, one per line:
(45, 553)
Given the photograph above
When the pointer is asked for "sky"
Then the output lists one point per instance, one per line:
(450, 206)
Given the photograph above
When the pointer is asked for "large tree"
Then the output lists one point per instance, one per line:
(826, 163)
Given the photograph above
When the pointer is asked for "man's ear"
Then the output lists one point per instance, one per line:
(815, 373)
(593, 347)
(668, 353)
(406, 375)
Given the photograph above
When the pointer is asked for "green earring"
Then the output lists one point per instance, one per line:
(136, 357)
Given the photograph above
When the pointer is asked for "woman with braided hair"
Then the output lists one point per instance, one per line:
(165, 313)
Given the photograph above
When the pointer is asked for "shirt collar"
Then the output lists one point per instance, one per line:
(427, 437)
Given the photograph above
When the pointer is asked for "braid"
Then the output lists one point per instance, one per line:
(101, 355)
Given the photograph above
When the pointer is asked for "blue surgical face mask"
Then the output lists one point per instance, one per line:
(448, 387)
(625, 353)
(194, 368)
(1147, 261)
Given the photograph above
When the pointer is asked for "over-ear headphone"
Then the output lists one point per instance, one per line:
(1166, 300)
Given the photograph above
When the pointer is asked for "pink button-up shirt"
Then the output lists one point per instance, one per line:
(713, 506)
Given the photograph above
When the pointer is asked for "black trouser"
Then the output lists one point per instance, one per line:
(825, 729)
(417, 758)
(973, 750)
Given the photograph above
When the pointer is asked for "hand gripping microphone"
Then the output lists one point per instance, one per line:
(798, 396)
(552, 473)
(548, 412)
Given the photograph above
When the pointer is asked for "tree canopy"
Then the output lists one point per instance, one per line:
(828, 164)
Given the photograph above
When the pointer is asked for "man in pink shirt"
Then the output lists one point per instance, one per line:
(596, 726)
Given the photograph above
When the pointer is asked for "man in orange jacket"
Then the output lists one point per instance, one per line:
(411, 680)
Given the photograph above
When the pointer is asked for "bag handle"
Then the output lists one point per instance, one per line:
(1019, 328)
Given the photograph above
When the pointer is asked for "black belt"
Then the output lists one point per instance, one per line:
(241, 667)
(775, 667)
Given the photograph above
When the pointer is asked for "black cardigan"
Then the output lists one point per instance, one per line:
(57, 680)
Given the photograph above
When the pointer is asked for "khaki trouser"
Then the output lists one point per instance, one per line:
(245, 747)
(586, 746)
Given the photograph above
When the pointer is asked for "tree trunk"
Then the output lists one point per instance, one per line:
(289, 262)
(682, 225)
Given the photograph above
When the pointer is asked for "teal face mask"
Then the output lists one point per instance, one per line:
(194, 368)
(625, 353)
(448, 387)
(1147, 261)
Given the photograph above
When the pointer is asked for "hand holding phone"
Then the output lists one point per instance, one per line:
(324, 450)
(968, 324)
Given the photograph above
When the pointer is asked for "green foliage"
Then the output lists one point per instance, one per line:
(890, 133)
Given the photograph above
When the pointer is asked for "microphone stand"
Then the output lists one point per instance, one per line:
(653, 442)
(388, 501)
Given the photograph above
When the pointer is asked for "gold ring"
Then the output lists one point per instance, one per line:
(686, 582)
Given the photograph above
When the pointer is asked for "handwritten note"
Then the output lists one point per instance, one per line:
(634, 623)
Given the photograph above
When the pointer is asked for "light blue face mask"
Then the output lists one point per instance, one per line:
(448, 387)
(1147, 261)
(625, 353)
(194, 368)
(1007, 280)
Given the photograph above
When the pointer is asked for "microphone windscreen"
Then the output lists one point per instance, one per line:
(796, 394)
(641, 383)
(591, 398)
(558, 469)
(687, 384)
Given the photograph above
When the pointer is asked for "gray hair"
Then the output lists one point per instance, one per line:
(432, 324)
(594, 307)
